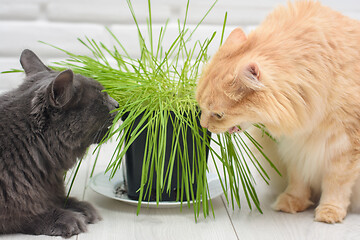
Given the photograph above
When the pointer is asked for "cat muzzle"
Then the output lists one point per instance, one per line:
(234, 129)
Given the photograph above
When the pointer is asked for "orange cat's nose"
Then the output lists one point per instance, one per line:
(203, 122)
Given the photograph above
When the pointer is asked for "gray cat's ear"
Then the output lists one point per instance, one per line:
(61, 89)
(32, 63)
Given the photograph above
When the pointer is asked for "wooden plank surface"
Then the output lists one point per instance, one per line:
(283, 226)
(121, 222)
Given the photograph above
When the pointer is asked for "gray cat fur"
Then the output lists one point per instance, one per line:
(46, 124)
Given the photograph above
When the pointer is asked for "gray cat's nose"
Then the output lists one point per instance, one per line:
(113, 103)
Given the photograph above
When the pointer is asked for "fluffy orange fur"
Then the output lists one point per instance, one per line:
(298, 73)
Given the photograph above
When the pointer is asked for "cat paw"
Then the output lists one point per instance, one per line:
(90, 213)
(329, 213)
(69, 224)
(291, 204)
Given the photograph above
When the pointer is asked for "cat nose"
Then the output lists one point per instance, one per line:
(114, 103)
(117, 104)
(204, 123)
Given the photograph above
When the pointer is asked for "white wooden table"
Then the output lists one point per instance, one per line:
(121, 222)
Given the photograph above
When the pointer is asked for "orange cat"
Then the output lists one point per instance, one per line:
(298, 73)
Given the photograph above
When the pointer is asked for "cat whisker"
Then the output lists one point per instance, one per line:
(100, 134)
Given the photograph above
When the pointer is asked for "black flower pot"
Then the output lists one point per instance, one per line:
(134, 158)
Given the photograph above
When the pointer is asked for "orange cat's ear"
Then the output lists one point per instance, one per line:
(237, 36)
(246, 79)
(251, 75)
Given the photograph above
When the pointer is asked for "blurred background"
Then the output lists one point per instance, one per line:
(23, 23)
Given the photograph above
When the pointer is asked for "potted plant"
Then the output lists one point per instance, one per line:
(159, 114)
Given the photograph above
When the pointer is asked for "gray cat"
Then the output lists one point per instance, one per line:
(46, 124)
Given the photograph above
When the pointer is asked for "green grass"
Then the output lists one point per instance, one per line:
(160, 81)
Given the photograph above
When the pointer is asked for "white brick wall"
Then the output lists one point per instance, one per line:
(25, 22)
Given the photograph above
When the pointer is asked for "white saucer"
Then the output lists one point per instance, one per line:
(101, 184)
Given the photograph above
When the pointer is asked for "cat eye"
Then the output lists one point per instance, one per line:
(218, 115)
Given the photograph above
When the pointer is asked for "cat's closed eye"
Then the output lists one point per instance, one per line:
(218, 116)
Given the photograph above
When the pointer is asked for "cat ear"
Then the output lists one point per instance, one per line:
(237, 36)
(61, 88)
(245, 80)
(32, 63)
(252, 76)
